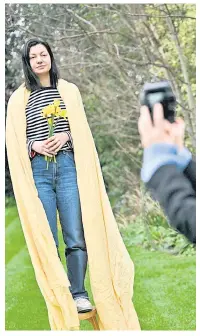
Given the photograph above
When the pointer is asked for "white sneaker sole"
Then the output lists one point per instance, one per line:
(84, 310)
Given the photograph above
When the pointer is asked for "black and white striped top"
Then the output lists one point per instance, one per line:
(36, 124)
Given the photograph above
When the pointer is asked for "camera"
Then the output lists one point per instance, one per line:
(159, 92)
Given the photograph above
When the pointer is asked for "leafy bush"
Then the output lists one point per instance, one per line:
(149, 228)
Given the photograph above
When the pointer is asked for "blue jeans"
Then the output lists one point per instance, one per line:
(57, 189)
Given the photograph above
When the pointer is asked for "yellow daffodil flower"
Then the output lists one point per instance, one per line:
(50, 112)
(47, 111)
(63, 114)
(56, 102)
(50, 121)
(58, 109)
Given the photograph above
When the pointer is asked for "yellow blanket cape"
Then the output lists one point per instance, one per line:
(110, 266)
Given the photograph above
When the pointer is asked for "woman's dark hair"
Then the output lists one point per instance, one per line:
(31, 79)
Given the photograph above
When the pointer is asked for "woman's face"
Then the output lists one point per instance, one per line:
(40, 60)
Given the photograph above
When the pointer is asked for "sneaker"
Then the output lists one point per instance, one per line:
(83, 305)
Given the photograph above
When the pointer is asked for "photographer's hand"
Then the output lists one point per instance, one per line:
(158, 132)
(177, 131)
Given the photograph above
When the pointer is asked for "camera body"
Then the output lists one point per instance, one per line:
(159, 92)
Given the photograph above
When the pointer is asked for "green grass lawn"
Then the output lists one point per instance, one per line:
(164, 289)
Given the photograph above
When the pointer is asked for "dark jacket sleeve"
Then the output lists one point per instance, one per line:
(190, 173)
(176, 195)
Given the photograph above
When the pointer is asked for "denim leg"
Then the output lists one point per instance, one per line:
(44, 183)
(69, 209)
